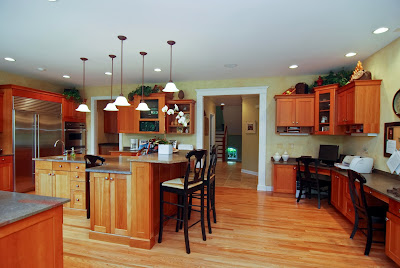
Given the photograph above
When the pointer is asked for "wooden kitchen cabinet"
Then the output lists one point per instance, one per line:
(108, 201)
(110, 122)
(69, 114)
(1, 111)
(294, 113)
(126, 118)
(6, 173)
(285, 178)
(188, 108)
(359, 106)
(392, 243)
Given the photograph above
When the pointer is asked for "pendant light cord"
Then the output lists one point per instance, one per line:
(112, 76)
(122, 47)
(170, 66)
(142, 76)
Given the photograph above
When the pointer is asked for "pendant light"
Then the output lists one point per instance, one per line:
(111, 106)
(142, 105)
(170, 86)
(121, 100)
(83, 107)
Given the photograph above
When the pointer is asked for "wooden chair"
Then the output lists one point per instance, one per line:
(91, 161)
(184, 187)
(210, 186)
(373, 215)
(313, 181)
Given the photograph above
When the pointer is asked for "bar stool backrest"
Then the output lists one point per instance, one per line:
(213, 163)
(358, 197)
(195, 174)
(306, 161)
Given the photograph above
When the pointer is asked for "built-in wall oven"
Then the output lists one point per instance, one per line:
(75, 136)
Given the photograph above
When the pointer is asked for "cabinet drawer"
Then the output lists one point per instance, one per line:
(78, 167)
(378, 195)
(44, 165)
(78, 199)
(78, 185)
(78, 176)
(6, 159)
(394, 207)
(61, 166)
(350, 213)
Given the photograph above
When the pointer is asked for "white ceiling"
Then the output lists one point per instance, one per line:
(263, 37)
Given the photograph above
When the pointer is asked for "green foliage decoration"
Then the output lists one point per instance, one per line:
(147, 90)
(72, 93)
(342, 78)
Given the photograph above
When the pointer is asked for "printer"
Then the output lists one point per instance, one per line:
(356, 163)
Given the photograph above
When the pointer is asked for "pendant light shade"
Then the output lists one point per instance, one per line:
(121, 100)
(170, 86)
(111, 106)
(143, 105)
(83, 107)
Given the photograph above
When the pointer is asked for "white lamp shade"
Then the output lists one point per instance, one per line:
(83, 108)
(170, 87)
(143, 107)
(111, 107)
(121, 101)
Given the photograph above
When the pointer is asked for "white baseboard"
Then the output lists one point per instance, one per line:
(265, 188)
(249, 172)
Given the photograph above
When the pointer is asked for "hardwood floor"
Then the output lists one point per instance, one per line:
(229, 175)
(254, 229)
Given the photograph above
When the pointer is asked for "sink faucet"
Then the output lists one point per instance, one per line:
(64, 151)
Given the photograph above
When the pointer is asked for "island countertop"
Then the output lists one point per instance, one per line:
(178, 157)
(16, 206)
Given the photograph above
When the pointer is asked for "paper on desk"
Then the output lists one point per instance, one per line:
(390, 146)
(394, 161)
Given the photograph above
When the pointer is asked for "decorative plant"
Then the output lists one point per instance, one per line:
(180, 116)
(147, 90)
(342, 78)
(73, 94)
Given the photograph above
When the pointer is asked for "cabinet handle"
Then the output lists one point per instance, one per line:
(77, 176)
(77, 199)
(77, 185)
(111, 179)
(386, 219)
(294, 168)
(2, 159)
(53, 174)
(106, 178)
(60, 165)
(297, 122)
(50, 174)
(399, 211)
(77, 167)
(293, 122)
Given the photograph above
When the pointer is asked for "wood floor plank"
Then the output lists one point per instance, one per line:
(254, 229)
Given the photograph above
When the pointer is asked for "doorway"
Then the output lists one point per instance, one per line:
(212, 131)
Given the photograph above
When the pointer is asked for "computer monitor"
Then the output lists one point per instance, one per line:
(328, 154)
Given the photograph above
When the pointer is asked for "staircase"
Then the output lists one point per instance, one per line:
(221, 140)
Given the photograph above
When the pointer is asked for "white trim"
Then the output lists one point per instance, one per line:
(265, 188)
(262, 140)
(249, 172)
(93, 122)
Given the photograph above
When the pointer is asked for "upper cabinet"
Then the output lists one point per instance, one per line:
(187, 107)
(325, 110)
(359, 106)
(126, 118)
(294, 113)
(1, 111)
(69, 114)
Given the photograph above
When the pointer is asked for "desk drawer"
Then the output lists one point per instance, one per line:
(394, 207)
(380, 196)
(65, 166)
(78, 176)
(78, 185)
(78, 167)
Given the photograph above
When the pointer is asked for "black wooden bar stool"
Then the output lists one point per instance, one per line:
(210, 187)
(184, 187)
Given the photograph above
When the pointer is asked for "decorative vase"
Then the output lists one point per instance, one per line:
(165, 149)
(277, 157)
(285, 156)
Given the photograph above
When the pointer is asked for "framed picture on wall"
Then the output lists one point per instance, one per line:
(251, 127)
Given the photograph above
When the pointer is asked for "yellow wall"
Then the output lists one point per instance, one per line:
(8, 78)
(250, 140)
(385, 65)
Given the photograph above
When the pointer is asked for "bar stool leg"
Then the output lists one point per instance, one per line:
(190, 206)
(161, 215)
(209, 191)
(178, 214)
(369, 238)
(203, 229)
(355, 226)
(213, 203)
(185, 223)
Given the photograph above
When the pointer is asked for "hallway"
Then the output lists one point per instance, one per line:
(228, 175)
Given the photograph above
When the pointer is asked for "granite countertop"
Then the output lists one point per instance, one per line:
(113, 164)
(61, 158)
(17, 206)
(178, 157)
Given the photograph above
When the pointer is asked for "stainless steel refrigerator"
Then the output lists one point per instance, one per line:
(37, 124)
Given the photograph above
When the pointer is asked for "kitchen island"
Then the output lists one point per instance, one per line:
(31, 230)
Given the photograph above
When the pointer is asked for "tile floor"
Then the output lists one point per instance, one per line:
(228, 175)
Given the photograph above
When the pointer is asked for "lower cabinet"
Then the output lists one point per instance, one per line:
(392, 245)
(6, 173)
(108, 201)
(340, 195)
(285, 178)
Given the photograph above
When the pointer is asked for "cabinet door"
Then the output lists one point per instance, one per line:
(100, 202)
(335, 190)
(285, 112)
(6, 174)
(342, 107)
(126, 119)
(110, 122)
(285, 179)
(392, 245)
(305, 112)
(44, 182)
(350, 106)
(70, 114)
(119, 210)
(62, 185)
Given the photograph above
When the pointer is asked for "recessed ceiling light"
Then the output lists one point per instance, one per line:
(351, 54)
(222, 104)
(230, 65)
(294, 66)
(41, 69)
(108, 73)
(66, 76)
(157, 69)
(9, 59)
(380, 30)
(52, 0)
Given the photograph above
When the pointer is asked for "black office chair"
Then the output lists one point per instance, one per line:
(91, 161)
(184, 187)
(373, 215)
(312, 181)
